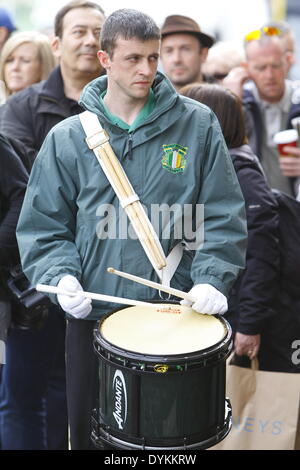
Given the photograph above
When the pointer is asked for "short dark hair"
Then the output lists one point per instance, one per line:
(227, 107)
(59, 17)
(128, 24)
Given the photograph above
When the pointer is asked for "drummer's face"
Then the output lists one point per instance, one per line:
(132, 67)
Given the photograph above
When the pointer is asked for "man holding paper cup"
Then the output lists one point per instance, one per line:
(173, 155)
(270, 102)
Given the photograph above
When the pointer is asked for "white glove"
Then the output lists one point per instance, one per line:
(77, 306)
(207, 300)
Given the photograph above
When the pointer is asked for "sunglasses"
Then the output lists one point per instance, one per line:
(215, 77)
(265, 31)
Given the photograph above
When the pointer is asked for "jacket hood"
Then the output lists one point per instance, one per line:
(243, 151)
(165, 95)
(246, 152)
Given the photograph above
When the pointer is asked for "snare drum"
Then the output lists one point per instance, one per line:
(162, 379)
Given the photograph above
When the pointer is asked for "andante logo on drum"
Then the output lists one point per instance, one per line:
(120, 397)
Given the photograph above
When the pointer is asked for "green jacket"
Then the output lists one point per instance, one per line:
(71, 221)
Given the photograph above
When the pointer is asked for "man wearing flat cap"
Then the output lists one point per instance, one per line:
(184, 48)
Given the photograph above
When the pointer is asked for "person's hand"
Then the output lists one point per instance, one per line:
(290, 166)
(246, 345)
(207, 300)
(76, 305)
(236, 79)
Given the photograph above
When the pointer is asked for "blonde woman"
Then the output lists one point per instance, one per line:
(26, 58)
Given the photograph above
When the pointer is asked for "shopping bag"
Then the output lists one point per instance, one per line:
(265, 409)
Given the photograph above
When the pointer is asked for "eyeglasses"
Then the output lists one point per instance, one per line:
(265, 31)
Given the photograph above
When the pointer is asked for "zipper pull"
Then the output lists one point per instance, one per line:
(130, 147)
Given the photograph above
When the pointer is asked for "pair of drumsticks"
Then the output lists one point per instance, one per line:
(131, 205)
(120, 300)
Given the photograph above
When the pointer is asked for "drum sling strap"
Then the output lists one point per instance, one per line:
(97, 140)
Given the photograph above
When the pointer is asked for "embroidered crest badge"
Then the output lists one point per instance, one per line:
(174, 158)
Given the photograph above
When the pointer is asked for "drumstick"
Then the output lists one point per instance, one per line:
(139, 213)
(155, 285)
(91, 295)
(134, 211)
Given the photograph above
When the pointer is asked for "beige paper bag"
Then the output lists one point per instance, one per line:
(265, 407)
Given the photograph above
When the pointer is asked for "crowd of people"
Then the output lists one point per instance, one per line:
(150, 87)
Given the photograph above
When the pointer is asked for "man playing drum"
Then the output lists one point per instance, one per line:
(174, 155)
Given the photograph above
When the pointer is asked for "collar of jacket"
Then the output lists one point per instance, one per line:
(243, 151)
(52, 96)
(166, 98)
(53, 86)
(248, 97)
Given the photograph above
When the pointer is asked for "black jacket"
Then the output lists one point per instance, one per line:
(28, 115)
(253, 299)
(13, 181)
(266, 297)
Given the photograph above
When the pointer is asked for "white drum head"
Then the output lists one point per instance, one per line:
(162, 330)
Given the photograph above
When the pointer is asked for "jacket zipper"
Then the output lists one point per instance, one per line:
(130, 147)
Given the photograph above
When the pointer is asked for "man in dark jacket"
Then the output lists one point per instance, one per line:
(29, 115)
(25, 421)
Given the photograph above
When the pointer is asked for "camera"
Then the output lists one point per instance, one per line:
(29, 307)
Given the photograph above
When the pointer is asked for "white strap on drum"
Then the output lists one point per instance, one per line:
(173, 260)
(97, 136)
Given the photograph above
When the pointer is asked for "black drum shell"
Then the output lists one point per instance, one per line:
(167, 402)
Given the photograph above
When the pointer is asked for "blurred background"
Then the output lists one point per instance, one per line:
(226, 20)
(229, 19)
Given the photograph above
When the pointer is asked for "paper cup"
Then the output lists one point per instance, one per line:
(286, 138)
